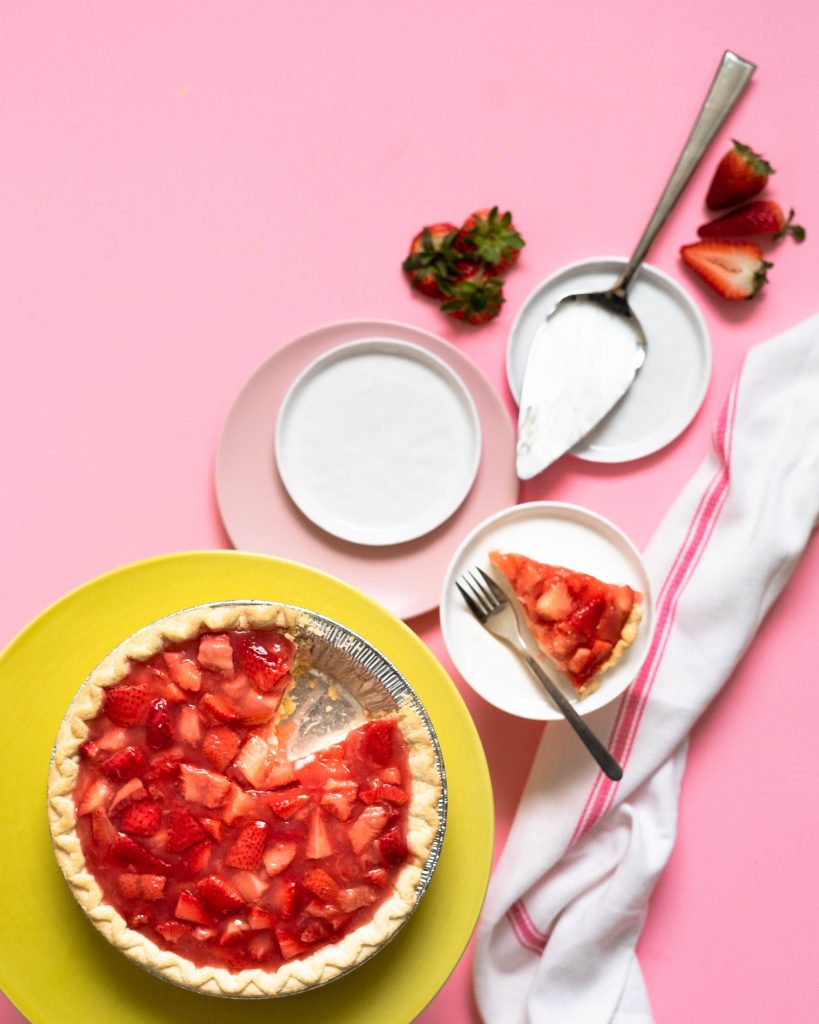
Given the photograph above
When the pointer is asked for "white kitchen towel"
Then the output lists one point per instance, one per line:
(568, 900)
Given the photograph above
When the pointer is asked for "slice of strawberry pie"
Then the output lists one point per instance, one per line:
(582, 624)
(199, 847)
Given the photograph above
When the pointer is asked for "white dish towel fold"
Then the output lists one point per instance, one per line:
(567, 903)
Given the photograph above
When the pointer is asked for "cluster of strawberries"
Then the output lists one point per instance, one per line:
(462, 267)
(737, 270)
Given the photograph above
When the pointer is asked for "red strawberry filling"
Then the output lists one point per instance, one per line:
(206, 838)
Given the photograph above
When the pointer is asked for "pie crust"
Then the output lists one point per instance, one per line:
(325, 963)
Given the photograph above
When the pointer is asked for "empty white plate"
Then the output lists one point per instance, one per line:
(378, 441)
(671, 384)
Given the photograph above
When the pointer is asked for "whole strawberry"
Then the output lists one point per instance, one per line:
(490, 237)
(763, 217)
(432, 259)
(475, 297)
(740, 175)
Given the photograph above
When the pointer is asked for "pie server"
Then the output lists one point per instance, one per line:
(584, 357)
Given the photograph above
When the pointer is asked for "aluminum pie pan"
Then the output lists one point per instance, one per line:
(358, 670)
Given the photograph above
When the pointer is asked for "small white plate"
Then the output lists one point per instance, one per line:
(378, 442)
(558, 534)
(670, 386)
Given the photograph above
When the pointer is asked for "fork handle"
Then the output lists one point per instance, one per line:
(597, 749)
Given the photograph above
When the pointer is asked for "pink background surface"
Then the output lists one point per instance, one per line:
(187, 187)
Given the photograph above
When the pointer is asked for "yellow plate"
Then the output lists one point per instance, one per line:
(55, 966)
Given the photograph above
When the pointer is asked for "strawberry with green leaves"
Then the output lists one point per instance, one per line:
(763, 217)
(735, 270)
(431, 260)
(490, 237)
(740, 175)
(475, 297)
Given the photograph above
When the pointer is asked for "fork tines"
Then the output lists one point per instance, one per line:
(482, 598)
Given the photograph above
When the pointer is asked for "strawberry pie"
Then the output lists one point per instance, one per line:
(580, 623)
(206, 839)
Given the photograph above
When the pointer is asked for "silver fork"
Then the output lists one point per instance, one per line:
(491, 607)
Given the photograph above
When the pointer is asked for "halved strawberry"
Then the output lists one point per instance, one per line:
(220, 746)
(491, 237)
(393, 847)
(475, 297)
(246, 853)
(764, 217)
(279, 856)
(735, 270)
(318, 838)
(369, 824)
(127, 705)
(218, 894)
(234, 931)
(173, 931)
(216, 653)
(183, 830)
(264, 663)
(289, 945)
(158, 727)
(200, 786)
(321, 884)
(431, 258)
(740, 174)
(142, 818)
(125, 764)
(191, 908)
(102, 828)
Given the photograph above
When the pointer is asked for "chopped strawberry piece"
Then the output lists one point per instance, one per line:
(173, 931)
(264, 664)
(142, 818)
(152, 886)
(89, 751)
(284, 897)
(392, 775)
(246, 852)
(339, 798)
(196, 859)
(184, 672)
(288, 802)
(234, 931)
(318, 838)
(240, 804)
(319, 771)
(219, 708)
(393, 847)
(378, 876)
(190, 908)
(355, 897)
(280, 772)
(218, 894)
(320, 884)
(213, 827)
(200, 786)
(390, 794)
(183, 830)
(127, 705)
(216, 652)
(123, 765)
(252, 760)
(369, 824)
(251, 886)
(289, 944)
(375, 741)
(220, 746)
(204, 933)
(127, 851)
(113, 739)
(314, 932)
(259, 947)
(97, 795)
(261, 918)
(279, 856)
(102, 829)
(158, 728)
(189, 725)
(129, 885)
(164, 765)
(129, 793)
